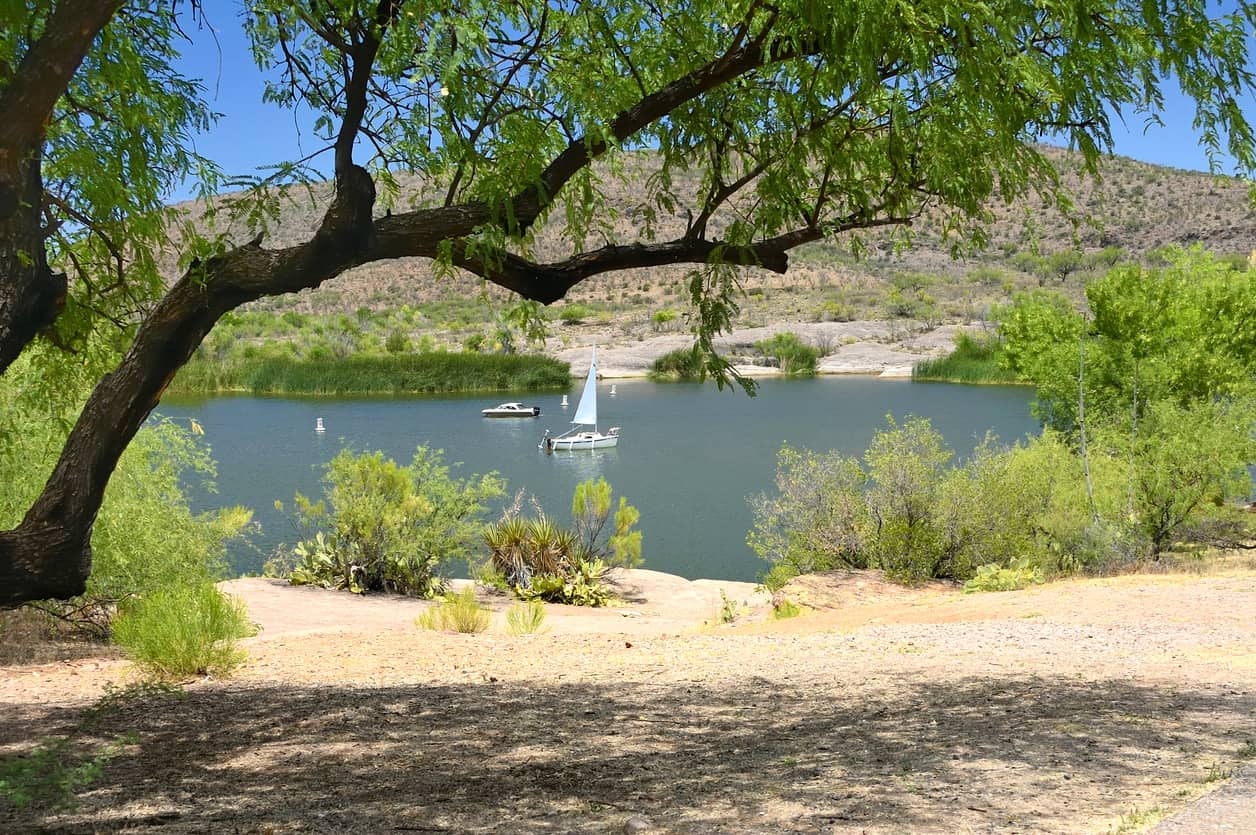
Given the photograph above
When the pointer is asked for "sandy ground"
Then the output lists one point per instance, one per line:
(1084, 706)
(883, 349)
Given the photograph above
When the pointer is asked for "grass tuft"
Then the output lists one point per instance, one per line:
(184, 631)
(526, 618)
(456, 613)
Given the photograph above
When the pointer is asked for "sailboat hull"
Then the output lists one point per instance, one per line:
(583, 440)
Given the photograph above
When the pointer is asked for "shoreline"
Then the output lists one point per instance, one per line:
(875, 348)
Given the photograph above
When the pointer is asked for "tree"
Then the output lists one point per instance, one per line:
(1182, 333)
(804, 120)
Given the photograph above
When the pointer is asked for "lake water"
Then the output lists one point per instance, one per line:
(689, 455)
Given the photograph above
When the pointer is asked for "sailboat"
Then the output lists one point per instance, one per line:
(579, 436)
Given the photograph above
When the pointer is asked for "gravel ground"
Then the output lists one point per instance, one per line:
(1086, 706)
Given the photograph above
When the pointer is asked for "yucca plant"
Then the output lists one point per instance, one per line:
(548, 546)
(508, 549)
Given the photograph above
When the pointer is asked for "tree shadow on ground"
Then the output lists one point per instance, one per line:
(974, 754)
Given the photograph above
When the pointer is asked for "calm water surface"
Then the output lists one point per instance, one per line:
(689, 455)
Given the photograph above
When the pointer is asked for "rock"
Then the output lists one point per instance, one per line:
(636, 824)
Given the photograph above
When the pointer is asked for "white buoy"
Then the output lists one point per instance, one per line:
(564, 401)
(318, 425)
(612, 391)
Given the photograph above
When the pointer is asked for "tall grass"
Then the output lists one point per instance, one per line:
(431, 372)
(974, 360)
(682, 365)
(184, 631)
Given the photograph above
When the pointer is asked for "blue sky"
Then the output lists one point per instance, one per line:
(252, 133)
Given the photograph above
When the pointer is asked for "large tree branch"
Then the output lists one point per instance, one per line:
(528, 205)
(48, 554)
(547, 283)
(41, 79)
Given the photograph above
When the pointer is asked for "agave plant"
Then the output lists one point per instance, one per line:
(507, 543)
(546, 546)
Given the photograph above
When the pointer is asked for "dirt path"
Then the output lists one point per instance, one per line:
(1084, 706)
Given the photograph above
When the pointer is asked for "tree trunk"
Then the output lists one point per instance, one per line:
(49, 553)
(1081, 420)
(31, 295)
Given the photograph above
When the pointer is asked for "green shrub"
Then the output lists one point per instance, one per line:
(526, 618)
(591, 509)
(778, 576)
(183, 631)
(910, 511)
(573, 314)
(581, 584)
(995, 577)
(833, 310)
(384, 527)
(145, 535)
(975, 359)
(790, 353)
(785, 609)
(683, 365)
(456, 613)
(817, 519)
(397, 342)
(662, 318)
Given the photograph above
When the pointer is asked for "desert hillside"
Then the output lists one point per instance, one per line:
(1134, 209)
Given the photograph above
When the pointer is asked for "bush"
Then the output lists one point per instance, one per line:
(526, 618)
(683, 365)
(785, 609)
(818, 519)
(591, 509)
(145, 535)
(183, 631)
(580, 584)
(907, 509)
(790, 353)
(397, 342)
(776, 577)
(662, 318)
(456, 613)
(994, 577)
(384, 527)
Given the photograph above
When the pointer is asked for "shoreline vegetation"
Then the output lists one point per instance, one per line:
(974, 361)
(422, 373)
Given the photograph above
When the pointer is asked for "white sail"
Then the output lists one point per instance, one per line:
(586, 412)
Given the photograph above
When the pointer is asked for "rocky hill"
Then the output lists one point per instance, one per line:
(1134, 209)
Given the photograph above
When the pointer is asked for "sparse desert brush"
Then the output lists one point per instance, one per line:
(456, 613)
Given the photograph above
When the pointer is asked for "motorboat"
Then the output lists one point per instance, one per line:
(584, 433)
(510, 410)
